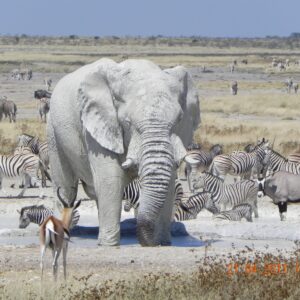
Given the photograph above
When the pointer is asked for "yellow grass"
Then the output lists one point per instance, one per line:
(234, 134)
(271, 104)
(9, 133)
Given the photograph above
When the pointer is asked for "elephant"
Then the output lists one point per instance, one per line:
(110, 122)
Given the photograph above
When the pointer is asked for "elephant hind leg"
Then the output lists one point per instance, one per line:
(62, 173)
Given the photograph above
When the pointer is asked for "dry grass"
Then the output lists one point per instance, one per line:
(9, 133)
(214, 279)
(234, 134)
(280, 105)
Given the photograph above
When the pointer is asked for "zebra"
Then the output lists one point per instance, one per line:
(22, 150)
(21, 165)
(38, 214)
(289, 84)
(15, 74)
(35, 214)
(294, 157)
(193, 146)
(190, 209)
(25, 74)
(44, 108)
(201, 159)
(237, 213)
(240, 162)
(228, 195)
(131, 195)
(38, 148)
(234, 87)
(277, 162)
(295, 87)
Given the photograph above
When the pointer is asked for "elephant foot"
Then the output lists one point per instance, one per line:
(109, 236)
(102, 243)
(165, 243)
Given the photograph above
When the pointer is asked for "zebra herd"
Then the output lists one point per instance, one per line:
(29, 158)
(206, 172)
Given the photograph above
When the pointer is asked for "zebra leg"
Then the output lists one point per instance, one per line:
(27, 181)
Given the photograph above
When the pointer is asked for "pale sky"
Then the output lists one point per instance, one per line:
(212, 18)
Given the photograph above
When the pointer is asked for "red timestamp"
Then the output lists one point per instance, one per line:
(265, 269)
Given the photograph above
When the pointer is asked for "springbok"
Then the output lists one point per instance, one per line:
(54, 233)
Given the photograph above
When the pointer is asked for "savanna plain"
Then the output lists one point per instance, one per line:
(209, 259)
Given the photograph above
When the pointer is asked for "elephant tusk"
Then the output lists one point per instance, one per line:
(127, 163)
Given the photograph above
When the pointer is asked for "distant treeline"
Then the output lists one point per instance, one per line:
(272, 42)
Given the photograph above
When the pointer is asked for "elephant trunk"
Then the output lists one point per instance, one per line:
(155, 171)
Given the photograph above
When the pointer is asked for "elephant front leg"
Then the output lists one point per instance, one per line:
(108, 184)
(109, 210)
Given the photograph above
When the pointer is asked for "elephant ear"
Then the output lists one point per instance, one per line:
(98, 114)
(189, 101)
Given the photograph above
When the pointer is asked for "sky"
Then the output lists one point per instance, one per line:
(211, 18)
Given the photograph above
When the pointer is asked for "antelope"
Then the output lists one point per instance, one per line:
(54, 233)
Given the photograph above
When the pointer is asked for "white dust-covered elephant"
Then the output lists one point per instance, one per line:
(109, 121)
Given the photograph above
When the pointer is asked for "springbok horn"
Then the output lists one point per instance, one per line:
(127, 163)
(18, 211)
(61, 199)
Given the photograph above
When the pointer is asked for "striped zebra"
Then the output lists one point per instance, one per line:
(191, 208)
(237, 213)
(38, 148)
(226, 196)
(131, 194)
(21, 165)
(38, 214)
(294, 157)
(35, 214)
(200, 159)
(277, 162)
(240, 163)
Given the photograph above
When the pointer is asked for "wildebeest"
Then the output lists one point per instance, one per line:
(39, 94)
(9, 109)
(234, 87)
(282, 187)
(44, 108)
